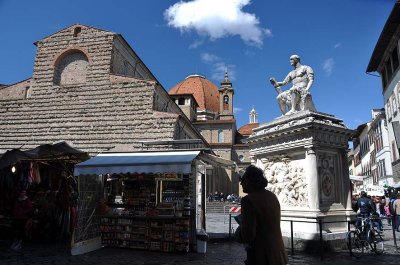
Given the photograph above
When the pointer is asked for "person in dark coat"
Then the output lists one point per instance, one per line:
(260, 221)
(22, 210)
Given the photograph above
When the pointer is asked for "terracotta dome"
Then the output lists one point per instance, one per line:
(247, 129)
(203, 90)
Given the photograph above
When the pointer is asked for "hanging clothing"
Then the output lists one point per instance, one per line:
(35, 173)
(30, 173)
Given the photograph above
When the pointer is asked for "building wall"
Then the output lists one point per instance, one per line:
(93, 110)
(372, 156)
(384, 156)
(187, 105)
(392, 103)
(391, 97)
(16, 91)
(125, 61)
(97, 47)
(242, 157)
(212, 132)
(385, 60)
(225, 181)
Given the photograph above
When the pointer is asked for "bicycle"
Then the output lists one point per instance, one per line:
(364, 237)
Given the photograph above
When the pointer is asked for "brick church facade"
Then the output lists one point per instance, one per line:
(90, 89)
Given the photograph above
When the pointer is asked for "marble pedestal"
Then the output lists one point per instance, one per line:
(304, 158)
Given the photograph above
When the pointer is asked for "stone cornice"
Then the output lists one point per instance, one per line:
(298, 131)
(299, 122)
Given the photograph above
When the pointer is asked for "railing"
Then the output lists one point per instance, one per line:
(320, 224)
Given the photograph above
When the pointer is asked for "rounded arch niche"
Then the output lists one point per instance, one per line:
(71, 68)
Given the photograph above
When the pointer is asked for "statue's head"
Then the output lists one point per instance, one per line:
(294, 59)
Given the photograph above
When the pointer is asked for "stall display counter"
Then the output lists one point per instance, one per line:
(148, 213)
(158, 233)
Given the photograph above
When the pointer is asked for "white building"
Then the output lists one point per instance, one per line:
(371, 154)
(379, 137)
(385, 61)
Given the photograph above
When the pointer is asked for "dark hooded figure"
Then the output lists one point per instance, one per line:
(260, 229)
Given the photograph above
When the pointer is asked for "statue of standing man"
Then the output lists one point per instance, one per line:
(298, 97)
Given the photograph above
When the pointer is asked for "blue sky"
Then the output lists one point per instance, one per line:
(252, 39)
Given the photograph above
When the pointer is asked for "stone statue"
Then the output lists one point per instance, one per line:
(298, 97)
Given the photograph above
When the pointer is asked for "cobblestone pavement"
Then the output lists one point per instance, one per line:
(221, 253)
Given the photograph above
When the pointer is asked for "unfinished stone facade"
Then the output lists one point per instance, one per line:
(90, 89)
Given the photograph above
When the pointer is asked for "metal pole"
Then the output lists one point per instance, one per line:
(291, 237)
(320, 240)
(394, 232)
(230, 225)
(350, 245)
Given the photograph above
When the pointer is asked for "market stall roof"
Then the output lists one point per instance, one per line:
(11, 157)
(57, 151)
(60, 150)
(141, 162)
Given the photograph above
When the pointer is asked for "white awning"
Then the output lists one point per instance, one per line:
(358, 178)
(142, 162)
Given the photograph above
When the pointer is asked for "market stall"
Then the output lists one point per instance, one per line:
(145, 200)
(44, 176)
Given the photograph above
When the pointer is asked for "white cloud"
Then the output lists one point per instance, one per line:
(337, 45)
(195, 44)
(268, 32)
(218, 67)
(237, 110)
(219, 71)
(328, 66)
(209, 58)
(217, 19)
(249, 53)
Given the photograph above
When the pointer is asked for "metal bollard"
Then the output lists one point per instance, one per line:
(393, 230)
(350, 249)
(321, 247)
(230, 225)
(291, 237)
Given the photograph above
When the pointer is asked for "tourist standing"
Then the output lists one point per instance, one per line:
(259, 227)
(396, 210)
(388, 214)
(216, 196)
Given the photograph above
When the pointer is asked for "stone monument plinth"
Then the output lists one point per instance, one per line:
(304, 157)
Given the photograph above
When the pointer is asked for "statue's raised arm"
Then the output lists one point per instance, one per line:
(298, 97)
(275, 84)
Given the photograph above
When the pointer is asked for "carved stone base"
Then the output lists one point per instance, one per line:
(304, 158)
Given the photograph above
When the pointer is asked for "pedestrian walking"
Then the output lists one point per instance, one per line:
(259, 226)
